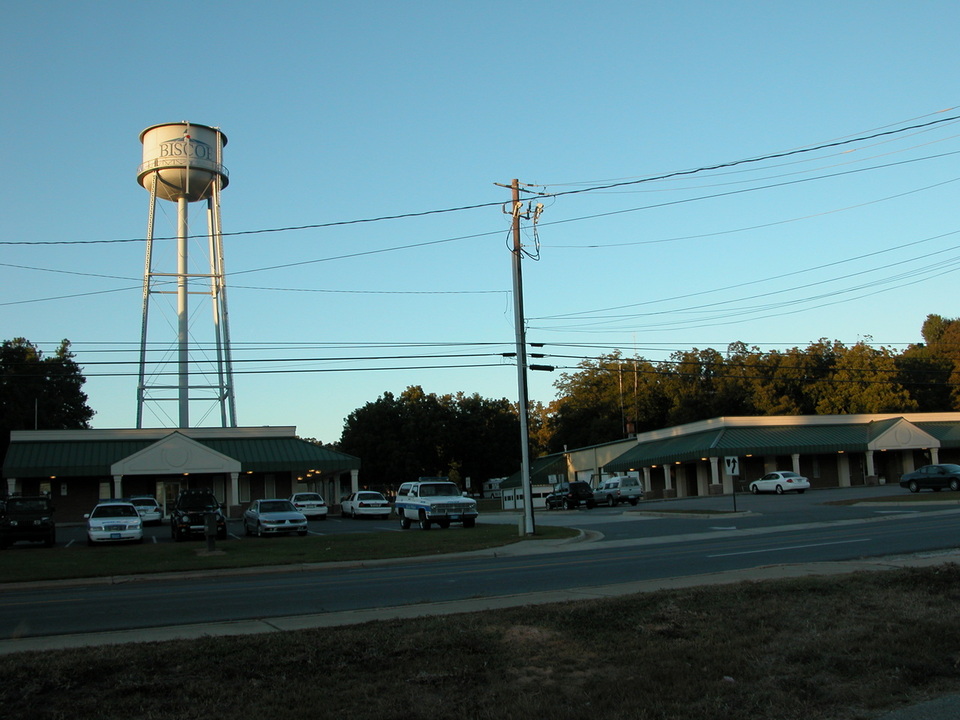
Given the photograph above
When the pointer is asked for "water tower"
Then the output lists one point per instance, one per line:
(183, 164)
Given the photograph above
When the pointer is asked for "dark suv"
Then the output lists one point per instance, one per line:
(27, 517)
(570, 495)
(189, 515)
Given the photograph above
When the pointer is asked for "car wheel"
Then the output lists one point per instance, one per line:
(754, 489)
(634, 502)
(423, 522)
(955, 484)
(612, 500)
(913, 486)
(259, 529)
(568, 504)
(779, 490)
(404, 522)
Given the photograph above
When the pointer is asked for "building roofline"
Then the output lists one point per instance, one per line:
(150, 433)
(721, 423)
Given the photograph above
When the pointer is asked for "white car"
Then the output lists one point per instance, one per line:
(114, 522)
(310, 504)
(365, 503)
(780, 482)
(275, 516)
(148, 507)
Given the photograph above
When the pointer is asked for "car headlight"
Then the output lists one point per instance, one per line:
(186, 518)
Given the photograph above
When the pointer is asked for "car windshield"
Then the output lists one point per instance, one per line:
(144, 502)
(370, 496)
(435, 489)
(789, 474)
(276, 506)
(309, 497)
(27, 506)
(109, 511)
(198, 502)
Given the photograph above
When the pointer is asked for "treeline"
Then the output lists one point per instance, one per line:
(613, 397)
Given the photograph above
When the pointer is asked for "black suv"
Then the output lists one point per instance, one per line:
(570, 495)
(27, 517)
(189, 515)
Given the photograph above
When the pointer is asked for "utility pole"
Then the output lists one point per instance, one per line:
(519, 322)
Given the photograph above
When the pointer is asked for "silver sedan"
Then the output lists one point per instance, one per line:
(275, 516)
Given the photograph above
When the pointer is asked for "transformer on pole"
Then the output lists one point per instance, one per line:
(183, 164)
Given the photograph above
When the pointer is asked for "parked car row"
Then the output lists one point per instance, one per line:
(612, 492)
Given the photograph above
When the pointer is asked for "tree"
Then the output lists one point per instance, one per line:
(864, 380)
(419, 434)
(38, 392)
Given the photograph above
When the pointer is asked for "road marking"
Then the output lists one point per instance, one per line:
(789, 547)
(732, 527)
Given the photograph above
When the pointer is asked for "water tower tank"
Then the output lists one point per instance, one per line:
(185, 158)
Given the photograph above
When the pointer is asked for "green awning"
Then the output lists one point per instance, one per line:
(741, 441)
(95, 458)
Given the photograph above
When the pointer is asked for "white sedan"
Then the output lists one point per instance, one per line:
(310, 504)
(275, 516)
(148, 507)
(780, 482)
(365, 503)
(114, 522)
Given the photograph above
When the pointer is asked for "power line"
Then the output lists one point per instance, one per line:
(476, 206)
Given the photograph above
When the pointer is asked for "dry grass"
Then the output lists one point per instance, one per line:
(832, 648)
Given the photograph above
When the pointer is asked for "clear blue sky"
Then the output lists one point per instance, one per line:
(345, 111)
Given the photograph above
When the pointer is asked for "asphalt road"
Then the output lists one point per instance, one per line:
(626, 545)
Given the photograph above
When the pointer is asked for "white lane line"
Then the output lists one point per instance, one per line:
(789, 547)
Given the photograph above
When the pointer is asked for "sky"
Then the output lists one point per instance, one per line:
(769, 173)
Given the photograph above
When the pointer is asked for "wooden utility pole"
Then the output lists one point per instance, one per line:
(520, 323)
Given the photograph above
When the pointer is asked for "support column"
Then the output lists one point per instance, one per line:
(668, 490)
(703, 480)
(647, 487)
(354, 480)
(118, 486)
(11, 486)
(715, 478)
(870, 465)
(795, 458)
(934, 456)
(234, 498)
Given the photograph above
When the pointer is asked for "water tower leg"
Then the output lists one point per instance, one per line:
(183, 320)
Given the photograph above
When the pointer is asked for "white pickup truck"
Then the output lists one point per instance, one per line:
(434, 501)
